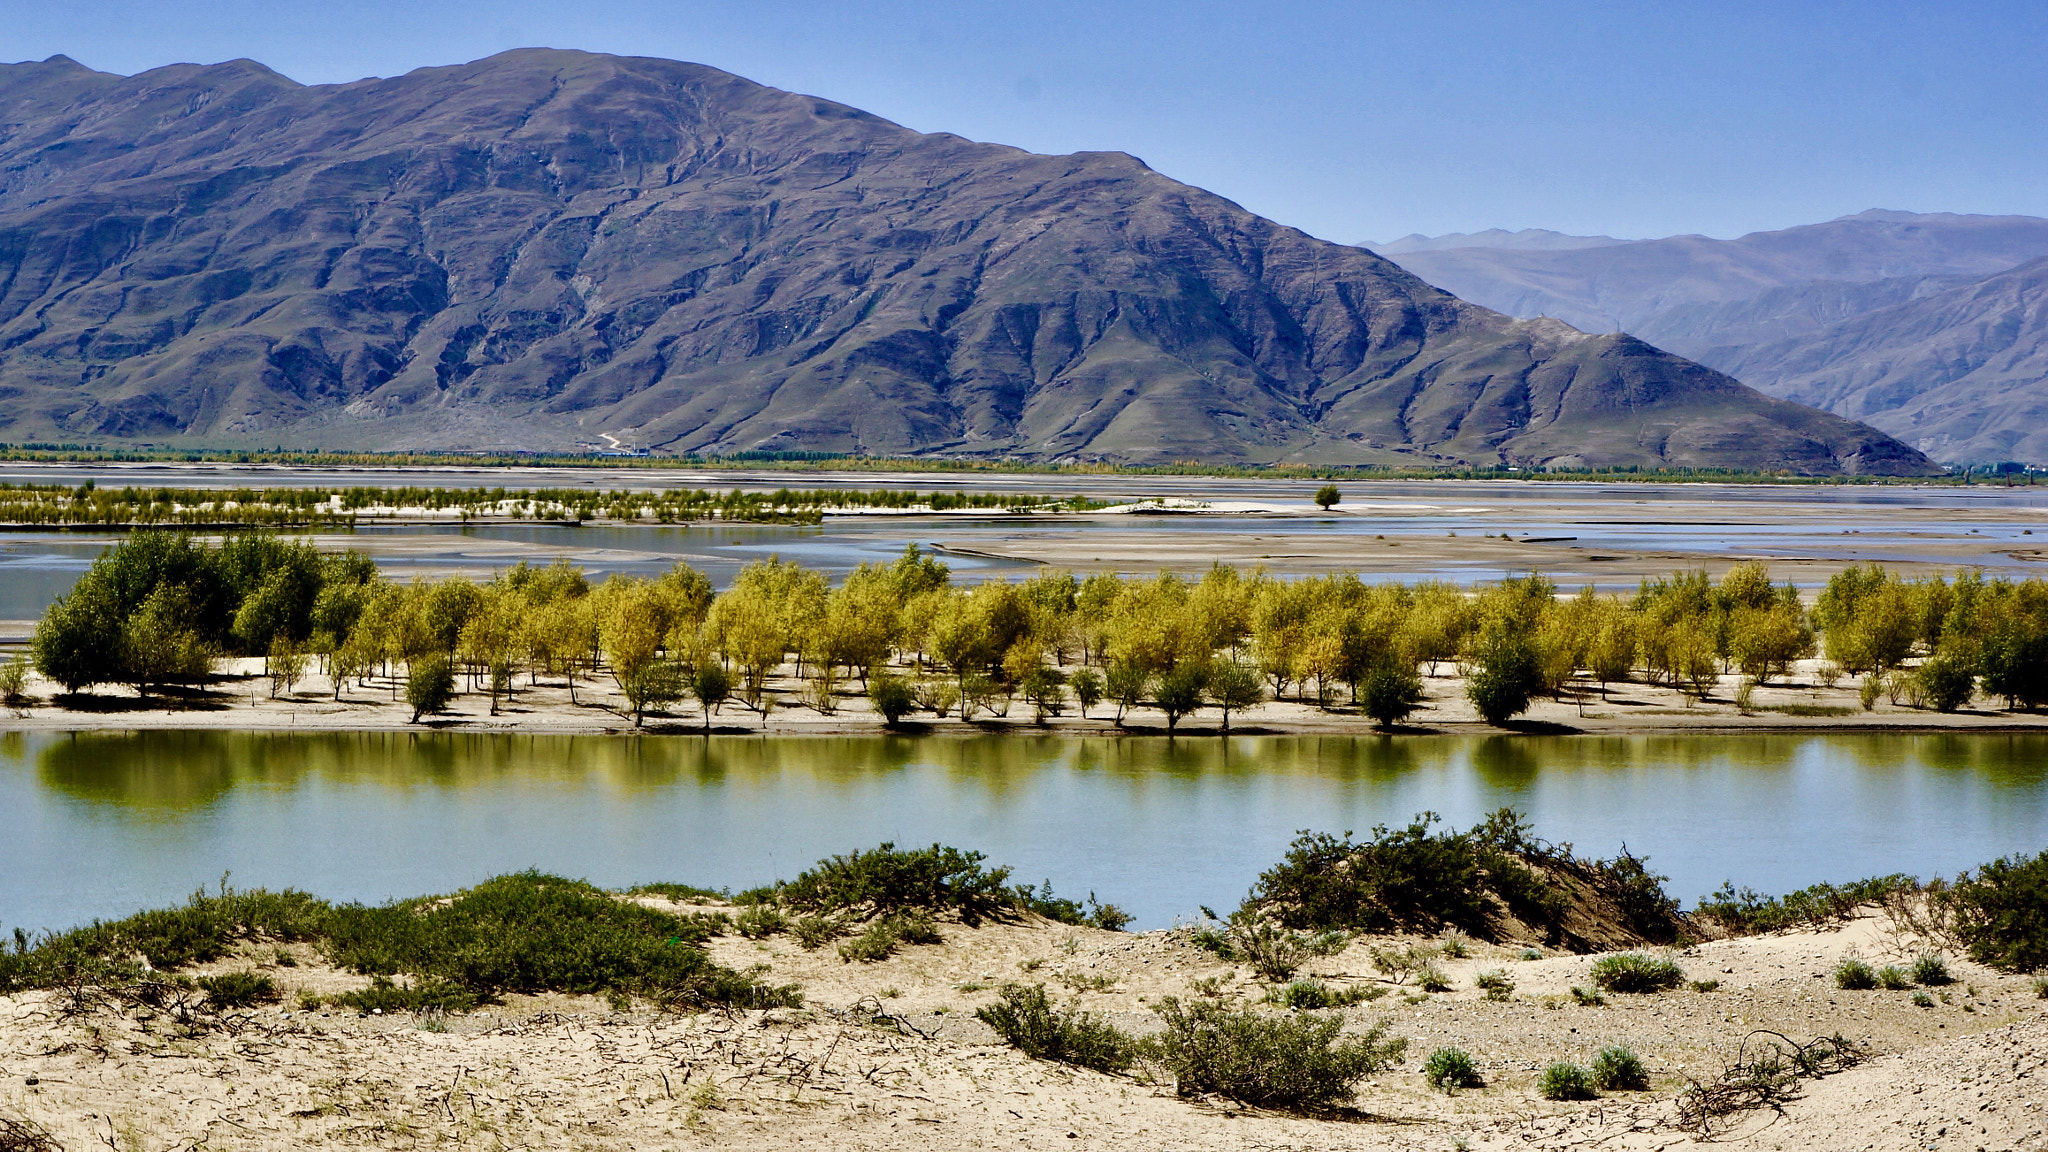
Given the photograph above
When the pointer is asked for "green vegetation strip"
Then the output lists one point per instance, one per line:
(88, 505)
(531, 932)
(160, 609)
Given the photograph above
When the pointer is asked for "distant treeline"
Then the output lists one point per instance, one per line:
(160, 607)
(798, 461)
(91, 505)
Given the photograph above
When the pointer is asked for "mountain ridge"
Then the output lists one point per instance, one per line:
(1818, 314)
(544, 247)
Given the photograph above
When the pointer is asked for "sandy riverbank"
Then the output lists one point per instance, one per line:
(242, 700)
(889, 1056)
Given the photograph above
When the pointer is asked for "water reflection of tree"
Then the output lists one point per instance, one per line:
(144, 770)
(171, 770)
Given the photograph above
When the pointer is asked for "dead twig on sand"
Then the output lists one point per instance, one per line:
(26, 1136)
(1762, 1077)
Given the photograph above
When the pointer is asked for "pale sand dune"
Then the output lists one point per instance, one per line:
(863, 1068)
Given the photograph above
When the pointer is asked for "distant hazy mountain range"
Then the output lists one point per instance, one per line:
(1930, 326)
(1527, 240)
(547, 248)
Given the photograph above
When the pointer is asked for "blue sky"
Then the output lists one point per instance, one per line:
(1351, 120)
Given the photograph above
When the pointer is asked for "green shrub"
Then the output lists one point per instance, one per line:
(680, 893)
(1094, 914)
(1497, 985)
(1313, 995)
(198, 932)
(1892, 978)
(916, 928)
(1922, 1000)
(14, 679)
(1272, 951)
(759, 921)
(1430, 978)
(1455, 944)
(1638, 895)
(1451, 1068)
(1617, 1069)
(1635, 972)
(1853, 974)
(429, 995)
(523, 933)
(1296, 1062)
(532, 932)
(1930, 969)
(884, 936)
(885, 880)
(1588, 997)
(1399, 964)
(1565, 1081)
(1026, 1019)
(1946, 683)
(891, 696)
(1412, 877)
(2041, 987)
(239, 990)
(1706, 985)
(814, 932)
(1748, 911)
(2001, 912)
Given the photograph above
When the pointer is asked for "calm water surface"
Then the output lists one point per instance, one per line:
(102, 824)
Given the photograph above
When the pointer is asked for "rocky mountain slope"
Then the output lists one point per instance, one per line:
(1919, 324)
(1665, 291)
(1963, 373)
(547, 248)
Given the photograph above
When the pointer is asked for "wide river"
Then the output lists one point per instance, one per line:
(99, 825)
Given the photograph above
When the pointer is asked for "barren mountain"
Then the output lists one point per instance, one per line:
(544, 248)
(1962, 373)
(1668, 291)
(1917, 323)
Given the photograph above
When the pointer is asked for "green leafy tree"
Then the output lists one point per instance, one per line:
(1327, 497)
(651, 687)
(158, 645)
(1087, 686)
(1179, 693)
(1234, 687)
(1126, 684)
(1391, 693)
(78, 642)
(1046, 690)
(429, 685)
(711, 684)
(2013, 659)
(1946, 682)
(1504, 675)
(287, 664)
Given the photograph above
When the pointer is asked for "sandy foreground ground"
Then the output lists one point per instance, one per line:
(243, 700)
(889, 1056)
